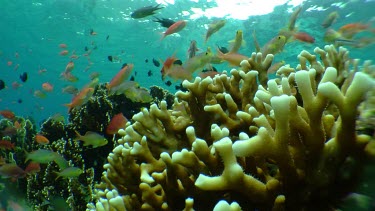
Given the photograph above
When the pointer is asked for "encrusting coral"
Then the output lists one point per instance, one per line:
(228, 144)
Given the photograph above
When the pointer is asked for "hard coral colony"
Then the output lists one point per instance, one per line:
(229, 144)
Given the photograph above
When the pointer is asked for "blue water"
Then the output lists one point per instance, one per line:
(31, 32)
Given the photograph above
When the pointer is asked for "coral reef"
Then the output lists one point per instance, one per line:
(228, 144)
(92, 116)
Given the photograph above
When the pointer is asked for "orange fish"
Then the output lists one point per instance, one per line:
(174, 28)
(7, 145)
(7, 114)
(233, 58)
(63, 45)
(32, 168)
(81, 98)
(177, 72)
(16, 85)
(12, 170)
(117, 122)
(167, 65)
(122, 75)
(348, 31)
(40, 139)
(47, 87)
(17, 125)
(64, 52)
(304, 37)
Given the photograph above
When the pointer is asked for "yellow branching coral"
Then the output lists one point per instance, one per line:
(229, 144)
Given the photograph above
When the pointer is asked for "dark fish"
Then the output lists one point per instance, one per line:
(110, 58)
(86, 48)
(23, 77)
(19, 100)
(92, 32)
(156, 62)
(123, 65)
(180, 87)
(132, 78)
(168, 83)
(179, 62)
(164, 22)
(135, 73)
(223, 49)
(2, 84)
(145, 11)
(149, 73)
(211, 69)
(107, 37)
(146, 60)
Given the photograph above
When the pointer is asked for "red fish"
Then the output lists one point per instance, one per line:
(7, 145)
(174, 28)
(122, 75)
(40, 139)
(349, 30)
(81, 98)
(7, 114)
(167, 65)
(304, 37)
(47, 87)
(11, 170)
(64, 52)
(63, 45)
(117, 122)
(32, 168)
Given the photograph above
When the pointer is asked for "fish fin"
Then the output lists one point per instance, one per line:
(78, 136)
(58, 174)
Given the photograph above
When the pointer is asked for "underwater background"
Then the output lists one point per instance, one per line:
(32, 34)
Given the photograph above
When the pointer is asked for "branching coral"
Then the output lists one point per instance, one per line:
(227, 144)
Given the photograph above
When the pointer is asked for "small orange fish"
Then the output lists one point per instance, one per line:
(16, 85)
(122, 75)
(32, 168)
(40, 139)
(7, 145)
(7, 114)
(174, 28)
(81, 98)
(64, 52)
(178, 72)
(167, 65)
(17, 125)
(304, 37)
(11, 170)
(63, 45)
(47, 87)
(233, 58)
(348, 31)
(117, 122)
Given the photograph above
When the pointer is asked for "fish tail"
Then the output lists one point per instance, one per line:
(219, 53)
(162, 36)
